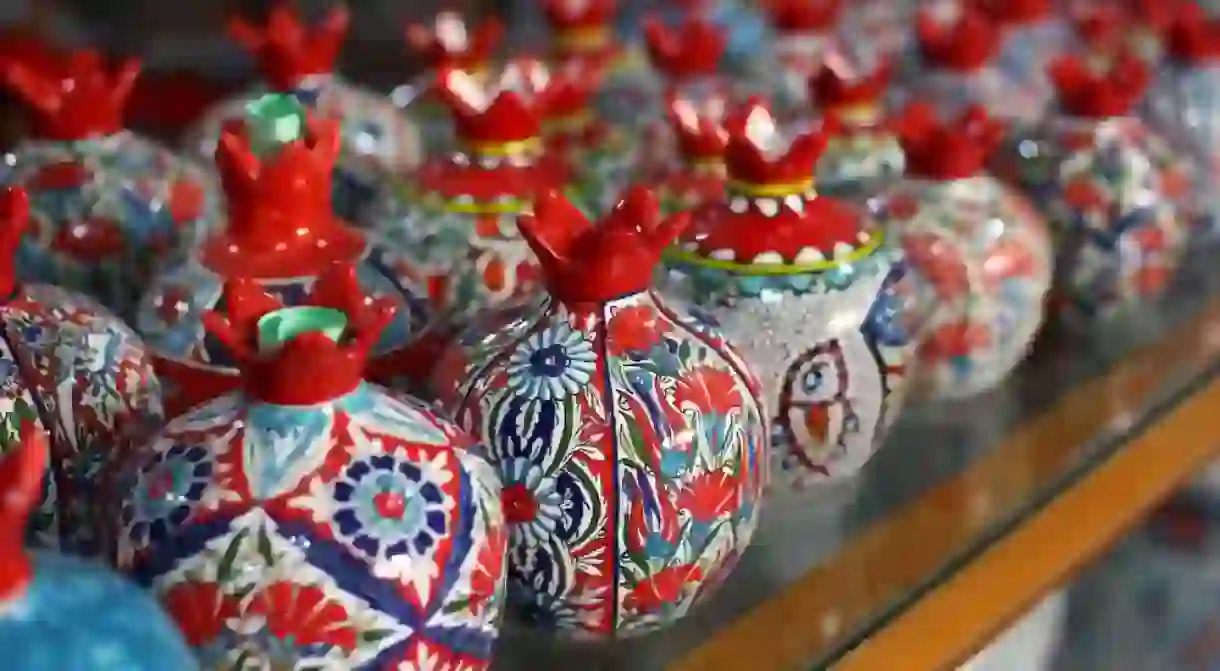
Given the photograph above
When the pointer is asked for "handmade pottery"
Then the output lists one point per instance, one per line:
(958, 48)
(980, 245)
(1110, 187)
(70, 367)
(823, 311)
(311, 519)
(631, 439)
(108, 206)
(1184, 106)
(61, 613)
(862, 153)
(298, 59)
(696, 174)
(280, 231)
(802, 32)
(601, 154)
(447, 43)
(456, 221)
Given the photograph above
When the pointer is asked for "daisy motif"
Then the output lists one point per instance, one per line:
(552, 364)
(533, 506)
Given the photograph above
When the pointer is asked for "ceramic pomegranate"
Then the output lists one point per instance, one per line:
(298, 59)
(696, 174)
(61, 613)
(630, 438)
(981, 246)
(862, 153)
(280, 231)
(108, 206)
(1111, 188)
(803, 30)
(601, 154)
(447, 43)
(958, 51)
(456, 221)
(312, 519)
(803, 284)
(685, 60)
(71, 368)
(1184, 106)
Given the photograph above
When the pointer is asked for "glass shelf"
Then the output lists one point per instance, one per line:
(831, 567)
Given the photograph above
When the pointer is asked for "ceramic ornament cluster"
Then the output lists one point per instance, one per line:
(356, 379)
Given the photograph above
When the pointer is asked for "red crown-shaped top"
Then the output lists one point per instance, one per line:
(570, 89)
(310, 368)
(21, 472)
(699, 130)
(450, 43)
(1100, 26)
(75, 98)
(508, 109)
(1194, 37)
(1087, 92)
(280, 221)
(1157, 15)
(570, 15)
(803, 16)
(14, 217)
(967, 43)
(1018, 12)
(692, 49)
(837, 85)
(948, 150)
(587, 263)
(287, 50)
(758, 154)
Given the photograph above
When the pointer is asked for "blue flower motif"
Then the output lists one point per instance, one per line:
(386, 507)
(165, 489)
(552, 364)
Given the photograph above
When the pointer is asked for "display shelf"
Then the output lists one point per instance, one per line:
(970, 513)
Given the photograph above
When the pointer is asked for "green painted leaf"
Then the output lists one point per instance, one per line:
(456, 607)
(225, 571)
(264, 547)
(375, 635)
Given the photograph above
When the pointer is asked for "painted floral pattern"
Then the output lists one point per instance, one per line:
(471, 260)
(632, 450)
(90, 384)
(106, 213)
(378, 138)
(195, 367)
(986, 255)
(362, 533)
(1113, 193)
(832, 349)
(1182, 106)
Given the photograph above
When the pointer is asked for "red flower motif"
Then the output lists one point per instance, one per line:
(1152, 239)
(708, 389)
(91, 240)
(902, 207)
(939, 264)
(954, 340)
(1082, 194)
(636, 328)
(1009, 259)
(304, 614)
(640, 526)
(186, 199)
(663, 588)
(200, 609)
(711, 495)
(1151, 280)
(488, 574)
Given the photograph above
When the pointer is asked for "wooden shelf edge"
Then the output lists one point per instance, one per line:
(959, 617)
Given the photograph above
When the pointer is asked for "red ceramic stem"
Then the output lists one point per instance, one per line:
(271, 200)
(14, 217)
(1012, 13)
(1086, 93)
(691, 50)
(21, 474)
(944, 151)
(1193, 37)
(310, 368)
(510, 117)
(587, 263)
(74, 98)
(287, 50)
(966, 45)
(803, 16)
(576, 15)
(832, 90)
(747, 163)
(481, 43)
